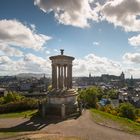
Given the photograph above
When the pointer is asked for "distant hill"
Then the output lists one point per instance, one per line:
(29, 75)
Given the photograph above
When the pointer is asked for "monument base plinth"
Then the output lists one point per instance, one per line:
(62, 103)
(56, 109)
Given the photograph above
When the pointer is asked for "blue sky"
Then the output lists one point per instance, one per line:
(103, 35)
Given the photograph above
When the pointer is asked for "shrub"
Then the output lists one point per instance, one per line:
(49, 88)
(13, 102)
(108, 108)
(25, 104)
(101, 108)
(137, 112)
(127, 110)
(1, 100)
(138, 120)
(114, 112)
(12, 97)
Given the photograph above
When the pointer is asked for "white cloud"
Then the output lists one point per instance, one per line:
(14, 33)
(28, 63)
(33, 27)
(14, 37)
(96, 43)
(32, 63)
(56, 50)
(70, 12)
(81, 67)
(132, 57)
(135, 72)
(123, 13)
(48, 52)
(10, 51)
(96, 65)
(134, 41)
(30, 58)
(4, 60)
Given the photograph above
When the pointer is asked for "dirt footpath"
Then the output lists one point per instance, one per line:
(83, 127)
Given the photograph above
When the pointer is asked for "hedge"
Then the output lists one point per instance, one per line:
(25, 104)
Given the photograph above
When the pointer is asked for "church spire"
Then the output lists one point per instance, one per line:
(89, 75)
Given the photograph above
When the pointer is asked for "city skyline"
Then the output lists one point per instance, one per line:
(103, 36)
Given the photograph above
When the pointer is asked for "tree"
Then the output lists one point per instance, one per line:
(127, 110)
(100, 93)
(89, 96)
(12, 97)
(112, 93)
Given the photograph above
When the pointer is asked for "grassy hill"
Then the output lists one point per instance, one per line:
(115, 122)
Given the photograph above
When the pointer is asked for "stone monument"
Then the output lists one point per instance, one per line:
(62, 99)
(61, 71)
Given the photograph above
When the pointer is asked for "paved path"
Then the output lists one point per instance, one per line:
(85, 127)
(82, 127)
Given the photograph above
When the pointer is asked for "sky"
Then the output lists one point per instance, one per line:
(102, 35)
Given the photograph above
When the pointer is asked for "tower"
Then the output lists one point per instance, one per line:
(89, 75)
(122, 76)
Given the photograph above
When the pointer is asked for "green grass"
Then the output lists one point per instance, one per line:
(28, 114)
(26, 137)
(57, 138)
(115, 121)
(8, 134)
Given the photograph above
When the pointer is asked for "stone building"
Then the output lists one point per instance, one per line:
(2, 92)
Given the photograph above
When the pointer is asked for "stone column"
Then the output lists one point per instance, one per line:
(70, 72)
(53, 85)
(65, 80)
(61, 77)
(69, 77)
(54, 76)
(59, 74)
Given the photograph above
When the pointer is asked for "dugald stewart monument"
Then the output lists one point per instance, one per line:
(62, 99)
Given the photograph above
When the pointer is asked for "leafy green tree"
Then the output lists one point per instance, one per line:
(89, 96)
(100, 93)
(12, 97)
(127, 110)
(112, 93)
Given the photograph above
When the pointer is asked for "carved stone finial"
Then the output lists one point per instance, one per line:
(62, 51)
